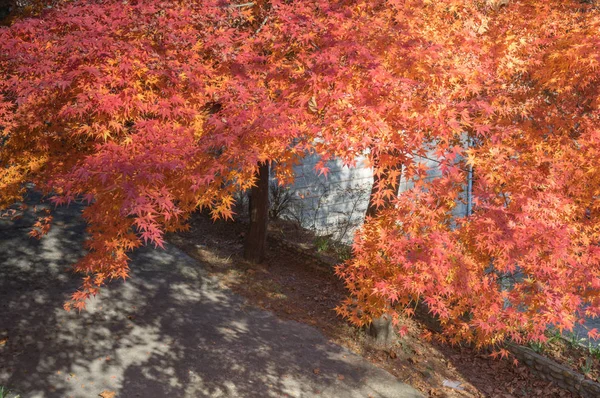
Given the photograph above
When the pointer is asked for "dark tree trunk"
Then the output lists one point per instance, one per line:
(382, 331)
(381, 328)
(372, 207)
(256, 239)
(392, 185)
(5, 9)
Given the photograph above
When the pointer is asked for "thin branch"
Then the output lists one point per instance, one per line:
(436, 161)
(249, 4)
(262, 24)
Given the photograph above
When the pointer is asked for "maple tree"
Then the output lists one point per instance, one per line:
(519, 102)
(148, 110)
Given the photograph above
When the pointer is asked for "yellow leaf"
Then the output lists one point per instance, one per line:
(312, 105)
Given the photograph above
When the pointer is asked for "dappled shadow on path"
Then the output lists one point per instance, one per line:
(169, 330)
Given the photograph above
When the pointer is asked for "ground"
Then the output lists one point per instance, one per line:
(293, 288)
(171, 330)
(196, 320)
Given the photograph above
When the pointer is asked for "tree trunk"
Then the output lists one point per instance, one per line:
(381, 328)
(392, 185)
(382, 331)
(256, 238)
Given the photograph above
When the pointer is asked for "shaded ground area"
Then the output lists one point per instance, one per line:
(293, 288)
(580, 333)
(170, 330)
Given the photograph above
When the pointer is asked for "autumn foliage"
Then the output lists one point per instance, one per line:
(519, 99)
(148, 110)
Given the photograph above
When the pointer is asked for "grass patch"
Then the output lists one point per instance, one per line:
(6, 393)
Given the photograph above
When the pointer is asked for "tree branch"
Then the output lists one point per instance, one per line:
(249, 4)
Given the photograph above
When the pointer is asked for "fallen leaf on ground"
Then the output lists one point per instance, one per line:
(452, 384)
(316, 371)
(107, 394)
(3, 341)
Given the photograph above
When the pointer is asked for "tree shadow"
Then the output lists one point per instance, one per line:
(169, 330)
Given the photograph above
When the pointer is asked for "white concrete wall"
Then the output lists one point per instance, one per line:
(335, 205)
(434, 172)
(332, 205)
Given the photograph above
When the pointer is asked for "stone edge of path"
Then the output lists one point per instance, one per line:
(550, 370)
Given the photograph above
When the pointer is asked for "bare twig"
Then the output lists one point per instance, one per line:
(249, 4)
(262, 24)
(436, 161)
